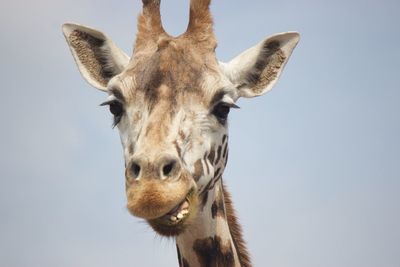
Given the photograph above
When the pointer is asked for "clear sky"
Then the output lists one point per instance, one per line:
(314, 165)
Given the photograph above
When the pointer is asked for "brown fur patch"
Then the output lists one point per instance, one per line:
(219, 152)
(212, 253)
(182, 135)
(224, 138)
(211, 156)
(236, 230)
(225, 151)
(204, 198)
(178, 67)
(182, 261)
(185, 263)
(198, 170)
(131, 149)
(218, 207)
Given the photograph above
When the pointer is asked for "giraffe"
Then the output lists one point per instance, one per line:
(170, 102)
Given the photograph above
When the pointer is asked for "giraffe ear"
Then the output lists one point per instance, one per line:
(97, 57)
(255, 71)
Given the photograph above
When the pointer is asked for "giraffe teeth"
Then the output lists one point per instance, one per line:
(179, 212)
(184, 212)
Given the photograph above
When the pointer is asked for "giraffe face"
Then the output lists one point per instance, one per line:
(171, 108)
(170, 102)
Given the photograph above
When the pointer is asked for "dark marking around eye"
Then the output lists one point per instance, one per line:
(221, 111)
(217, 97)
(118, 94)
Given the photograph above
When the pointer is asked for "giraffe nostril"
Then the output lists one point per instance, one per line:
(168, 168)
(135, 169)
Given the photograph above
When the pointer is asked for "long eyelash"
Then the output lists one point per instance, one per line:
(107, 103)
(116, 120)
(232, 105)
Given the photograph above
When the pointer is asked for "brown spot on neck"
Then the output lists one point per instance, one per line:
(218, 207)
(212, 253)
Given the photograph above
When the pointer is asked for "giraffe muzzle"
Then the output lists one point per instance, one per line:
(151, 198)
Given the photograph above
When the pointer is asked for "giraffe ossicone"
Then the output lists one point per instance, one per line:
(170, 102)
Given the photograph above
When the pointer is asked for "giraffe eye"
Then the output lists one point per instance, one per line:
(221, 112)
(116, 109)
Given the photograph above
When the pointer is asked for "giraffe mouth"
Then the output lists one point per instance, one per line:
(175, 221)
(180, 211)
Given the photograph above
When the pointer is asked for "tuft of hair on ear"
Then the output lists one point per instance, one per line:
(270, 59)
(97, 57)
(256, 70)
(92, 52)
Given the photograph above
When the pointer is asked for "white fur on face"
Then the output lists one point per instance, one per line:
(192, 134)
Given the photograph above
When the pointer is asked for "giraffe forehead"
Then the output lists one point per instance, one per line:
(183, 71)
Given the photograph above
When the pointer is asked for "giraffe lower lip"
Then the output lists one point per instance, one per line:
(179, 212)
(175, 221)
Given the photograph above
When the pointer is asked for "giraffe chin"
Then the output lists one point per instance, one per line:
(176, 221)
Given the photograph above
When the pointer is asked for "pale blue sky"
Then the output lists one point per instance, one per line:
(314, 165)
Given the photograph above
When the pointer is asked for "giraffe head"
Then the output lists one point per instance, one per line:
(170, 102)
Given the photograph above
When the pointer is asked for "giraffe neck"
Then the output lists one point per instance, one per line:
(214, 239)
